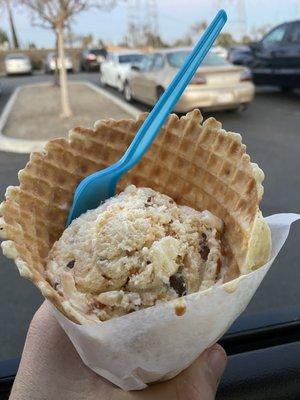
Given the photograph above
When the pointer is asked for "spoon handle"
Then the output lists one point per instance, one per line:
(151, 126)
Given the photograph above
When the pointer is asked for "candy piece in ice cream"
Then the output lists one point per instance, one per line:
(135, 250)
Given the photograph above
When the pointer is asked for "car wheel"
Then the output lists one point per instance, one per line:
(120, 86)
(101, 79)
(285, 89)
(241, 107)
(233, 109)
(127, 92)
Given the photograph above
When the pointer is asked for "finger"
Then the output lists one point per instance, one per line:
(201, 379)
(198, 382)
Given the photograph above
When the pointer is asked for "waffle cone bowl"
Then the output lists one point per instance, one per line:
(196, 163)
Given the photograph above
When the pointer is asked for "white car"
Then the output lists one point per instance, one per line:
(17, 63)
(115, 69)
(50, 63)
(220, 51)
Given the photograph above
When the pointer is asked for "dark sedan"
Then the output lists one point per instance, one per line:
(275, 60)
(91, 59)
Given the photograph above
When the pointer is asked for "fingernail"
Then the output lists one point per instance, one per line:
(217, 361)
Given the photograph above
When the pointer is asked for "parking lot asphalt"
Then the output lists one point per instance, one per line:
(270, 129)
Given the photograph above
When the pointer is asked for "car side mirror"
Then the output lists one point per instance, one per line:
(254, 46)
(135, 68)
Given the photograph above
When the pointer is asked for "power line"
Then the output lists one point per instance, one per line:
(142, 18)
(236, 8)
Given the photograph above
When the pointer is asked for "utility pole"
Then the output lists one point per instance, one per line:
(142, 18)
(12, 25)
(241, 17)
(151, 17)
(238, 8)
(134, 30)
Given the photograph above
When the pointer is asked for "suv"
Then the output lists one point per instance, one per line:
(274, 60)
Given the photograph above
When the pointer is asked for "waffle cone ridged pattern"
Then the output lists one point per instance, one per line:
(197, 164)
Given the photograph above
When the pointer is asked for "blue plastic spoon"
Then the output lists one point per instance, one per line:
(101, 185)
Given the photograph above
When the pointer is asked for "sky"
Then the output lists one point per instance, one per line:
(174, 19)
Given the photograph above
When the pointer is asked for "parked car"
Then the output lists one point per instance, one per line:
(49, 63)
(17, 63)
(91, 59)
(240, 55)
(114, 71)
(275, 60)
(216, 85)
(221, 51)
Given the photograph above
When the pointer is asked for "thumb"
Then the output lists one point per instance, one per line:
(200, 381)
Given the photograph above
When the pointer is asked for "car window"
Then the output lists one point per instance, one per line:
(214, 60)
(98, 52)
(294, 37)
(16, 57)
(157, 62)
(177, 58)
(275, 36)
(146, 62)
(130, 58)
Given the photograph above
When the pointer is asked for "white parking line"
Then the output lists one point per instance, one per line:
(130, 109)
(27, 145)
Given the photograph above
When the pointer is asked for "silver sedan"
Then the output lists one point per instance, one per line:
(17, 64)
(216, 85)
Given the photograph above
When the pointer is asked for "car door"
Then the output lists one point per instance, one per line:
(114, 71)
(106, 69)
(138, 76)
(267, 56)
(147, 85)
(288, 72)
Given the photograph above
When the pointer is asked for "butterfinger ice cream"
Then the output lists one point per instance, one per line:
(135, 250)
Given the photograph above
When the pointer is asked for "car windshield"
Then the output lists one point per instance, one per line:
(130, 58)
(177, 58)
(98, 52)
(16, 57)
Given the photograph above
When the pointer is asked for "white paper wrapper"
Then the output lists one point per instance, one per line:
(155, 344)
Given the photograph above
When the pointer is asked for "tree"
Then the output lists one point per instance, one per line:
(87, 40)
(225, 40)
(197, 28)
(246, 39)
(184, 41)
(31, 46)
(260, 31)
(7, 5)
(57, 15)
(192, 35)
(152, 40)
(3, 37)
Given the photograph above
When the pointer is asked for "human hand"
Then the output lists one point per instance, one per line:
(51, 369)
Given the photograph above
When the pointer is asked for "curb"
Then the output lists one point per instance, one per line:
(13, 145)
(7, 108)
(134, 111)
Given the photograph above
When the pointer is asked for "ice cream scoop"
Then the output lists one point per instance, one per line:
(135, 250)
